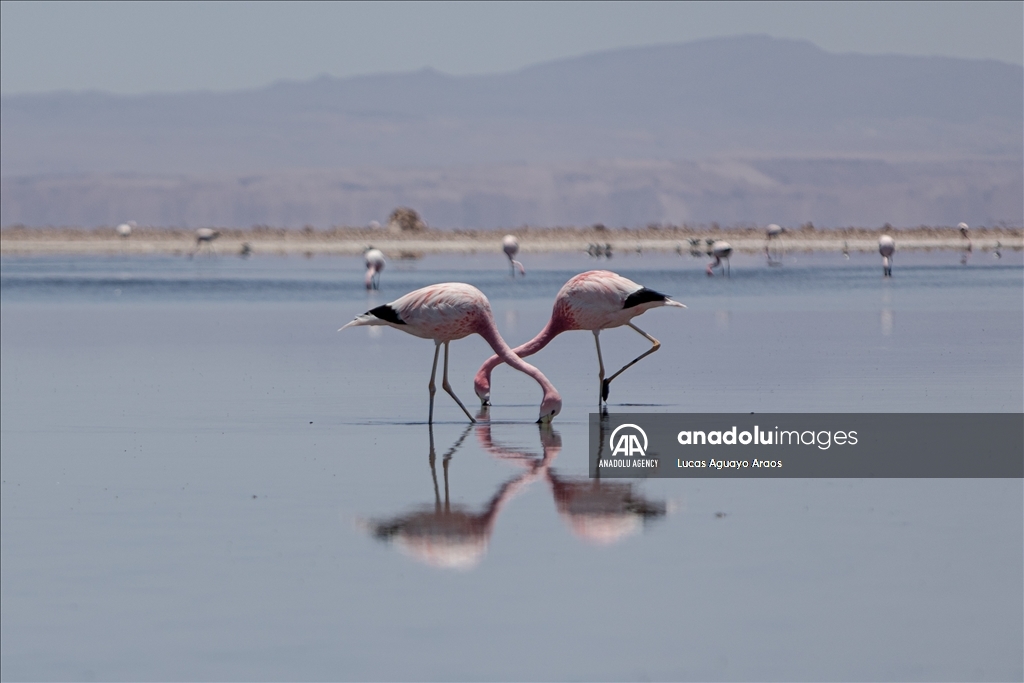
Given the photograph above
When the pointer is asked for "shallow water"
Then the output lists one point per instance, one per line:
(202, 479)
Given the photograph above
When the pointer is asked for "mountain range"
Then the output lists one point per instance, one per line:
(746, 129)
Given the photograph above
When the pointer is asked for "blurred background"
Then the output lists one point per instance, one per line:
(504, 114)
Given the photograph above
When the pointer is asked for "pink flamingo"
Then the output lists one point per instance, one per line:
(510, 245)
(374, 265)
(450, 311)
(595, 301)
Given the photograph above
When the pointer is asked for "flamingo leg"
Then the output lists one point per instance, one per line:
(600, 368)
(448, 387)
(447, 503)
(655, 345)
(432, 387)
(433, 470)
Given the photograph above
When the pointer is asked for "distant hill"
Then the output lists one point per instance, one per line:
(950, 130)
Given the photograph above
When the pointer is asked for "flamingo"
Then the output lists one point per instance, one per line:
(449, 311)
(510, 245)
(721, 250)
(125, 229)
(963, 227)
(206, 236)
(374, 265)
(886, 247)
(595, 301)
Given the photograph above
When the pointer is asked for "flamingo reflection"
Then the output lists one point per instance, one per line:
(599, 512)
(445, 535)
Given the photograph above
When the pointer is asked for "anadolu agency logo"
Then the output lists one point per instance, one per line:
(629, 448)
(628, 443)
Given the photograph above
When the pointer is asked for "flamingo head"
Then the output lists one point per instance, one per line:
(550, 406)
(482, 386)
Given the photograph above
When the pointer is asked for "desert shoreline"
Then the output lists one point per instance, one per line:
(24, 241)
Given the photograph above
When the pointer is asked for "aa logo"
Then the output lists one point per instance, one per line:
(628, 443)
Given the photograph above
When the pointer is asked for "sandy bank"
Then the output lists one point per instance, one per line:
(352, 241)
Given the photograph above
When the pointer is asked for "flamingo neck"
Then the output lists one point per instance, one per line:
(489, 331)
(552, 329)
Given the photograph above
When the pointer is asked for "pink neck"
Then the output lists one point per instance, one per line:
(543, 338)
(504, 354)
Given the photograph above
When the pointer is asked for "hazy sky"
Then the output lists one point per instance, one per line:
(153, 46)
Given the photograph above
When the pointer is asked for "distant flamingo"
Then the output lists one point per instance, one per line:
(963, 227)
(206, 236)
(595, 301)
(374, 265)
(721, 250)
(886, 247)
(450, 311)
(125, 229)
(510, 245)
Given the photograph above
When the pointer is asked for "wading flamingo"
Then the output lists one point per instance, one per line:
(964, 228)
(510, 245)
(721, 250)
(374, 265)
(450, 311)
(206, 236)
(595, 301)
(886, 247)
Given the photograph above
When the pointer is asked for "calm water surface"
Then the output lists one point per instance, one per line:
(203, 479)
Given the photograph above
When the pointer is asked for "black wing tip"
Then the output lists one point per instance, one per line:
(643, 296)
(387, 314)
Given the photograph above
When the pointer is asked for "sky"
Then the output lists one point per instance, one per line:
(131, 48)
